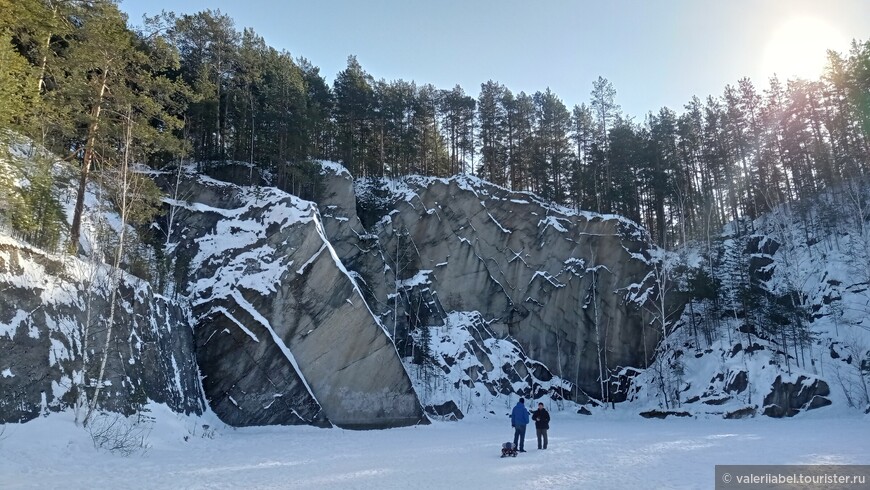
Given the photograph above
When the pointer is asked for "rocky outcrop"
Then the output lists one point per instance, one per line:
(383, 299)
(53, 310)
(737, 382)
(558, 282)
(283, 332)
(445, 411)
(359, 250)
(787, 399)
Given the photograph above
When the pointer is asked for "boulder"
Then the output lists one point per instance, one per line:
(817, 402)
(787, 399)
(737, 382)
(445, 411)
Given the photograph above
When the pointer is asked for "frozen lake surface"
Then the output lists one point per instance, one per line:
(600, 451)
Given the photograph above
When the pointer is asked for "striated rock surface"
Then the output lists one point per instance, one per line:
(49, 303)
(557, 284)
(555, 280)
(359, 250)
(283, 333)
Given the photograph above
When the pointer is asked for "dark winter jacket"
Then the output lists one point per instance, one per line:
(519, 416)
(542, 418)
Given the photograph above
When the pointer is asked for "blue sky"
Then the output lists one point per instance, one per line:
(655, 52)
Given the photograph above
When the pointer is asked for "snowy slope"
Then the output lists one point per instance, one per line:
(806, 265)
(101, 223)
(478, 373)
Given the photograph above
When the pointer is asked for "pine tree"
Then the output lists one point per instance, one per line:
(606, 111)
(395, 102)
(694, 184)
(627, 158)
(318, 112)
(354, 98)
(491, 133)
(859, 76)
(207, 43)
(34, 212)
(662, 171)
(717, 153)
(283, 138)
(583, 175)
(453, 111)
(466, 138)
(737, 136)
(15, 96)
(553, 124)
(110, 68)
(245, 102)
(433, 157)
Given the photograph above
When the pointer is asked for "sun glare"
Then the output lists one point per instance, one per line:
(798, 48)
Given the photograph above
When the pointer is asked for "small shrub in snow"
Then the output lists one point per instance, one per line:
(117, 434)
(208, 432)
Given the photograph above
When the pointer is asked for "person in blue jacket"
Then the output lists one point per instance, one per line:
(519, 421)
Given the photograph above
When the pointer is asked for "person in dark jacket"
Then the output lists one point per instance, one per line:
(542, 423)
(519, 421)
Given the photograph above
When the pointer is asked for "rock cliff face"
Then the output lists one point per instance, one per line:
(46, 303)
(556, 282)
(386, 299)
(344, 311)
(283, 333)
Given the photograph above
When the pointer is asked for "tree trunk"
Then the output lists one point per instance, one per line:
(75, 229)
(116, 270)
(44, 66)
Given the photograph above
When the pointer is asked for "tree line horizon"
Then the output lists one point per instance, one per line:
(194, 87)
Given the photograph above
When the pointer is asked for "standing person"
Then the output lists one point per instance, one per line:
(519, 421)
(542, 423)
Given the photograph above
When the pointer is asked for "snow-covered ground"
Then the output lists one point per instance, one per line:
(606, 450)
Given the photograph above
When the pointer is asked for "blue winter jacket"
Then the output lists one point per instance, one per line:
(519, 416)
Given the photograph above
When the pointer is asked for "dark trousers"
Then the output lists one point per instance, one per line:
(520, 437)
(542, 434)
